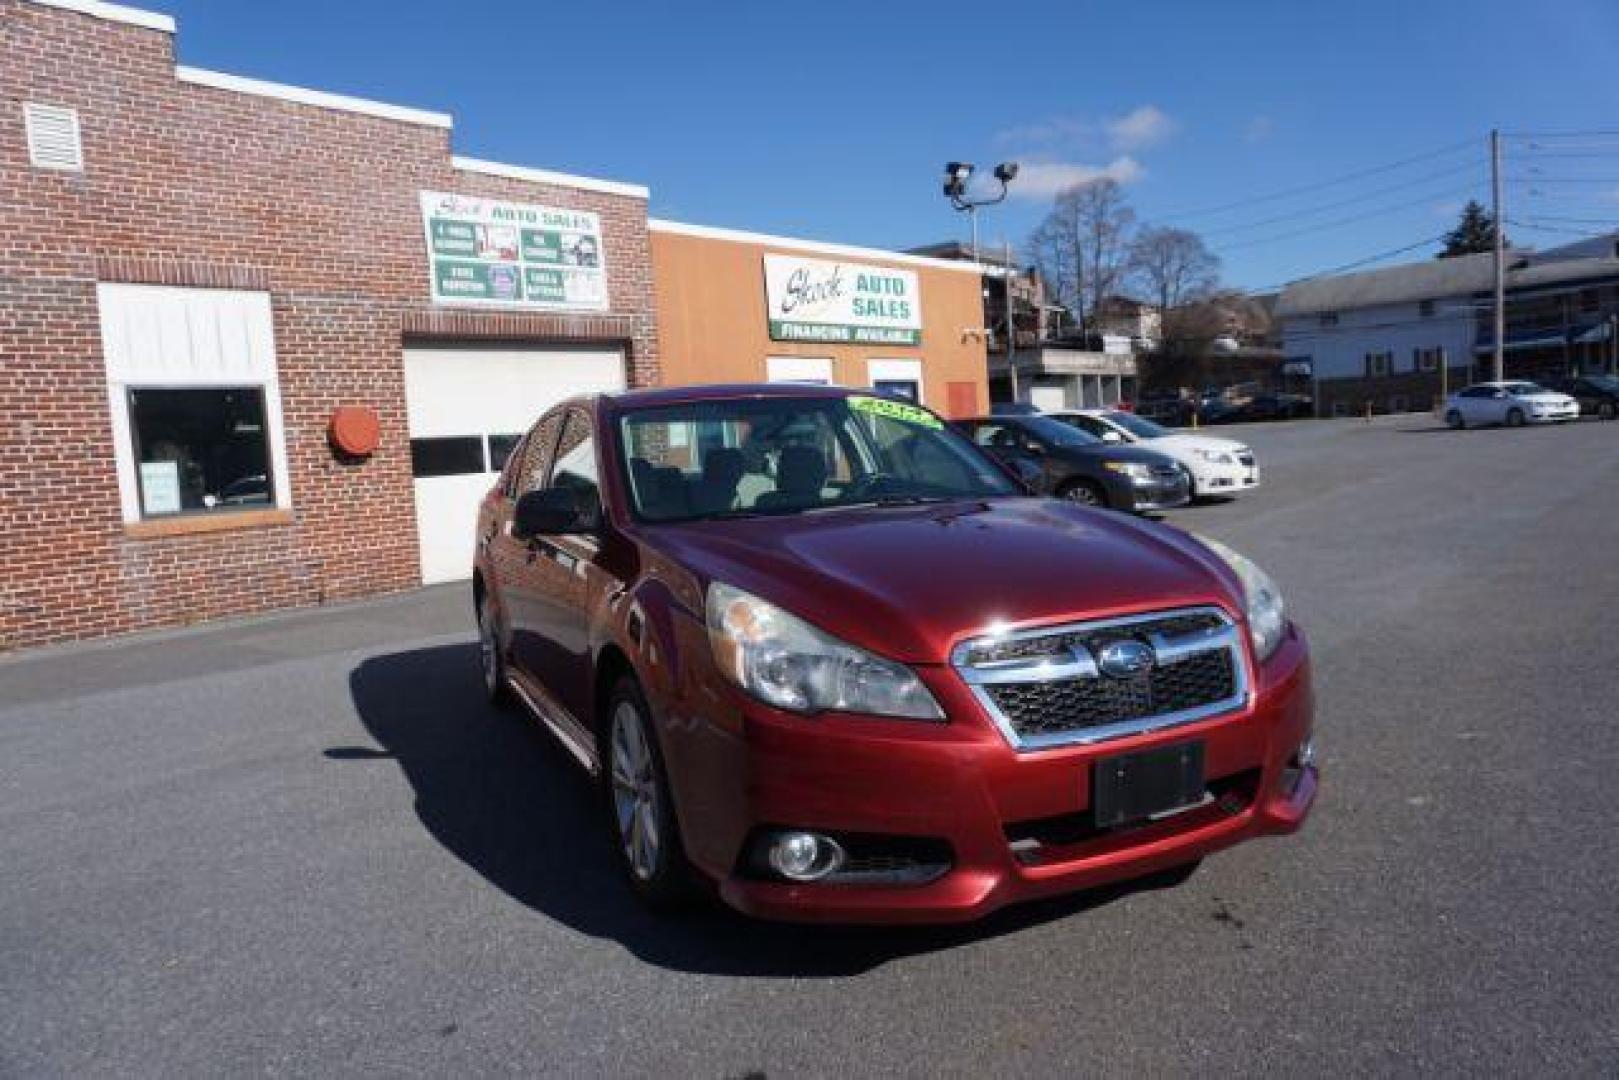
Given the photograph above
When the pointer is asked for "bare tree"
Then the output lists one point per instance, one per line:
(1082, 246)
(1174, 268)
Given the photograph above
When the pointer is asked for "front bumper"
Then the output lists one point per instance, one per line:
(1209, 478)
(1553, 414)
(1152, 494)
(961, 783)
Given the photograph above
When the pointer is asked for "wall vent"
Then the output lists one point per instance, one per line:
(53, 137)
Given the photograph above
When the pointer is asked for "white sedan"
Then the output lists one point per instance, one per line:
(1511, 403)
(1217, 466)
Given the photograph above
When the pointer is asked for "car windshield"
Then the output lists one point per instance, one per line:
(1057, 433)
(1519, 389)
(1137, 426)
(755, 456)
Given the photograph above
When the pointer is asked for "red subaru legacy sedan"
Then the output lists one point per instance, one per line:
(831, 661)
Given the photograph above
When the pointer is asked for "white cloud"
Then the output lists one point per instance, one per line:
(1044, 179)
(1059, 130)
(1258, 129)
(1142, 126)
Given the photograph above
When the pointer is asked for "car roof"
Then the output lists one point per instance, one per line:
(686, 395)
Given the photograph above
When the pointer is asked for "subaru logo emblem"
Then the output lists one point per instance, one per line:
(1123, 658)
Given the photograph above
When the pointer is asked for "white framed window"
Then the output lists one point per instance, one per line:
(1427, 359)
(195, 401)
(1379, 364)
(804, 369)
(897, 378)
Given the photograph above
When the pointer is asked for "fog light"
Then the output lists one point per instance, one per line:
(804, 856)
(1302, 761)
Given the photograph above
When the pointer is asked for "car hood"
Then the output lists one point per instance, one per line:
(1550, 397)
(910, 582)
(1193, 443)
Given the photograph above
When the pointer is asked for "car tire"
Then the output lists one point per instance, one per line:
(491, 657)
(1456, 420)
(1606, 410)
(1083, 492)
(1514, 418)
(640, 811)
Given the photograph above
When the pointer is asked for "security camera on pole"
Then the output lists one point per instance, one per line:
(956, 177)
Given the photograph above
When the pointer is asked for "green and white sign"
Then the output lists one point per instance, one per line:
(502, 254)
(817, 300)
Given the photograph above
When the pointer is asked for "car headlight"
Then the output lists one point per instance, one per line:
(1267, 615)
(1133, 469)
(784, 661)
(1218, 457)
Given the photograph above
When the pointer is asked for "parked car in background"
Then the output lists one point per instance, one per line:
(1071, 464)
(1170, 411)
(1263, 407)
(1513, 403)
(1598, 395)
(1013, 408)
(829, 662)
(1216, 466)
(1218, 410)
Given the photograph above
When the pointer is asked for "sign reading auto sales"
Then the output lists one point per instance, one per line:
(817, 300)
(503, 254)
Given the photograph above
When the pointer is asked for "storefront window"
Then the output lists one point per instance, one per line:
(200, 450)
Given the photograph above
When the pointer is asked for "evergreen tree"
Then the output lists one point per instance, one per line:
(1474, 233)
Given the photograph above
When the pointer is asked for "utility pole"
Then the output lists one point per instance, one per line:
(1499, 358)
(1011, 325)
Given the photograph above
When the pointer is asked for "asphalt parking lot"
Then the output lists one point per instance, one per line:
(302, 844)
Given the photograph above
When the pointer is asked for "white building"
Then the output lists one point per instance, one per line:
(1396, 339)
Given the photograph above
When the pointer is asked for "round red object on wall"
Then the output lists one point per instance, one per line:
(355, 430)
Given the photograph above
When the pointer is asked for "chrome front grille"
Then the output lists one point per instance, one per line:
(1050, 687)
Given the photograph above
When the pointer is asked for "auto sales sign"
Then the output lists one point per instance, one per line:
(818, 300)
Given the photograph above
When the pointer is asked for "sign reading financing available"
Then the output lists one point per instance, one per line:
(512, 254)
(816, 300)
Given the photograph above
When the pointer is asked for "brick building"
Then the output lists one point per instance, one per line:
(263, 346)
(198, 270)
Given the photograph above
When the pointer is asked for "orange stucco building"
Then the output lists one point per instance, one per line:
(744, 307)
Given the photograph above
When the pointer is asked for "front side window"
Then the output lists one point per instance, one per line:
(200, 449)
(790, 455)
(1048, 432)
(1139, 426)
(575, 467)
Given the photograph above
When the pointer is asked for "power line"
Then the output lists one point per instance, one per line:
(1367, 261)
(1350, 220)
(1296, 214)
(1305, 189)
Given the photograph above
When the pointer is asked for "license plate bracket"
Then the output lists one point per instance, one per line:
(1127, 788)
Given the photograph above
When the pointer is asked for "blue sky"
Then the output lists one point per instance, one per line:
(831, 120)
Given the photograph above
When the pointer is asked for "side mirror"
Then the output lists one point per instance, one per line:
(1112, 437)
(551, 511)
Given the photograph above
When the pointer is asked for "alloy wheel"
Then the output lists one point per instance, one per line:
(1083, 494)
(488, 649)
(635, 792)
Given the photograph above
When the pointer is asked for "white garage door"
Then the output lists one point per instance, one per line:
(466, 407)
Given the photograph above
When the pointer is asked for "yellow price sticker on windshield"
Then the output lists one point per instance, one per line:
(902, 411)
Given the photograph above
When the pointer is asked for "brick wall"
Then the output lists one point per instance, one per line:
(192, 185)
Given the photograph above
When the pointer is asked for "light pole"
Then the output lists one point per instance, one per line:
(956, 176)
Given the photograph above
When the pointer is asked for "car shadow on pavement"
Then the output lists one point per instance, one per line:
(500, 795)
